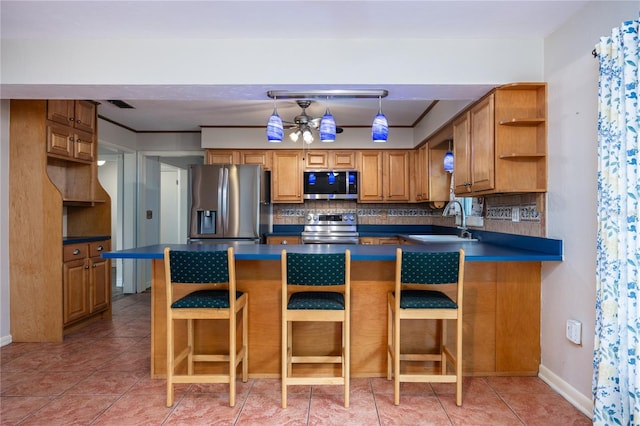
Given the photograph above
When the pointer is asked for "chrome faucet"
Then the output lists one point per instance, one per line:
(464, 233)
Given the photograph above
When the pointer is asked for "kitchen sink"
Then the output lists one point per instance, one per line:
(441, 238)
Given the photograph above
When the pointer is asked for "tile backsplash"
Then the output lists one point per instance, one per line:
(498, 213)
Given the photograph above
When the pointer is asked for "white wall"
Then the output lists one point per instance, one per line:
(568, 288)
(5, 330)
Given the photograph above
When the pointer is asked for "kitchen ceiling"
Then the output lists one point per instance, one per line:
(189, 108)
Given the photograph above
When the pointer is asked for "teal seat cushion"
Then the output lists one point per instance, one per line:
(205, 299)
(425, 299)
(316, 300)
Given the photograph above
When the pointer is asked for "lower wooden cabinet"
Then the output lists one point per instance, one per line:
(379, 240)
(86, 284)
(284, 240)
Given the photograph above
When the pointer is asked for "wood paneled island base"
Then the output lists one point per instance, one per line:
(501, 319)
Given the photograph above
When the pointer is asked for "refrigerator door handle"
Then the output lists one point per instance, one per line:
(224, 173)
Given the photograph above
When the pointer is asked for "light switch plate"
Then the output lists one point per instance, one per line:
(574, 331)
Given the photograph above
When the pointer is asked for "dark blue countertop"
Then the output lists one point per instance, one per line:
(75, 240)
(475, 251)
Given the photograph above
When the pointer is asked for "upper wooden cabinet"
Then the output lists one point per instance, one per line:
(329, 160)
(420, 176)
(286, 177)
(439, 180)
(71, 127)
(501, 142)
(78, 114)
(223, 156)
(384, 176)
(261, 158)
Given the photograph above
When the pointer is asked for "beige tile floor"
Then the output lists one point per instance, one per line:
(100, 376)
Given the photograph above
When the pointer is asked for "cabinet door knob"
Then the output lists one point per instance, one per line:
(70, 118)
(94, 265)
(86, 267)
(76, 251)
(100, 248)
(79, 121)
(284, 242)
(71, 138)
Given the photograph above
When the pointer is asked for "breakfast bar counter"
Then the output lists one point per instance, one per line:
(501, 331)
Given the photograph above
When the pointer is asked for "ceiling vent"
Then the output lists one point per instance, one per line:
(120, 104)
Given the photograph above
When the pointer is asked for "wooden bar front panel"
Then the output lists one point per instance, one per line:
(501, 320)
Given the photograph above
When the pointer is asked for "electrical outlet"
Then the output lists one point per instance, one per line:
(574, 331)
(515, 214)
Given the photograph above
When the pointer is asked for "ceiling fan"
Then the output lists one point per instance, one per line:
(302, 124)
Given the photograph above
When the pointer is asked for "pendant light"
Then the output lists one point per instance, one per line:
(327, 127)
(275, 130)
(380, 127)
(448, 159)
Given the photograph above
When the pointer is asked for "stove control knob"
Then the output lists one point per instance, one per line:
(350, 217)
(309, 217)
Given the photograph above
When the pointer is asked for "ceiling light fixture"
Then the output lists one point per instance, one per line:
(307, 135)
(448, 159)
(326, 125)
(380, 127)
(275, 130)
(326, 94)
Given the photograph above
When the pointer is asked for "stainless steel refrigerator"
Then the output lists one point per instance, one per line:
(229, 203)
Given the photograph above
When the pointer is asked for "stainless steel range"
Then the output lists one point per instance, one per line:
(330, 229)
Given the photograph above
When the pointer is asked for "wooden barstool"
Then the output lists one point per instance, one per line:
(415, 297)
(215, 298)
(315, 287)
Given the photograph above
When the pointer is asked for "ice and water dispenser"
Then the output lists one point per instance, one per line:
(206, 220)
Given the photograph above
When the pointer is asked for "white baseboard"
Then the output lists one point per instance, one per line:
(575, 398)
(5, 340)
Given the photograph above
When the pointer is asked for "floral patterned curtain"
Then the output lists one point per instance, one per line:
(616, 380)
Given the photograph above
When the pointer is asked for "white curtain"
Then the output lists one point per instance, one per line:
(616, 385)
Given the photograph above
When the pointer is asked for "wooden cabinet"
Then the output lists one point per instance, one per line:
(86, 284)
(439, 180)
(384, 176)
(261, 158)
(70, 130)
(79, 114)
(219, 156)
(286, 177)
(379, 240)
(41, 188)
(420, 176)
(501, 142)
(284, 240)
(330, 160)
(474, 147)
(223, 156)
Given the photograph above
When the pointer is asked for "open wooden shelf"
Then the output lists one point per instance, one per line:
(523, 122)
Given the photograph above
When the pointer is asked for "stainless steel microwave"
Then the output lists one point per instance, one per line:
(330, 185)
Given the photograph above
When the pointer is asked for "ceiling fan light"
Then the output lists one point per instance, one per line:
(327, 127)
(294, 136)
(307, 136)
